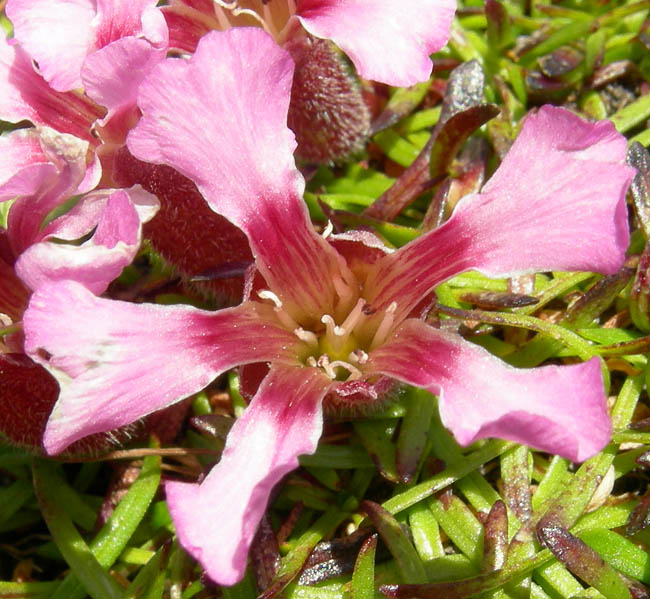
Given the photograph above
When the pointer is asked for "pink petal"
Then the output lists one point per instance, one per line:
(116, 361)
(24, 166)
(112, 75)
(216, 520)
(557, 202)
(99, 260)
(59, 34)
(92, 210)
(559, 409)
(47, 185)
(117, 19)
(24, 94)
(387, 41)
(235, 90)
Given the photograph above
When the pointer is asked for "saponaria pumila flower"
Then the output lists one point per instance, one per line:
(90, 243)
(388, 42)
(327, 314)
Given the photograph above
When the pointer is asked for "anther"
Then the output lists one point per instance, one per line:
(358, 356)
(311, 361)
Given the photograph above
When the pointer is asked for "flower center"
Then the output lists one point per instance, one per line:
(340, 350)
(271, 15)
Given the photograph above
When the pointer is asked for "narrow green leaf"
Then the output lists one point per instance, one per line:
(362, 585)
(377, 438)
(13, 497)
(95, 580)
(472, 461)
(116, 533)
(620, 552)
(407, 558)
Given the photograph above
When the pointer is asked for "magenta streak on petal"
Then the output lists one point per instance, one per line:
(105, 345)
(243, 160)
(24, 94)
(60, 34)
(387, 41)
(559, 409)
(557, 202)
(13, 294)
(216, 520)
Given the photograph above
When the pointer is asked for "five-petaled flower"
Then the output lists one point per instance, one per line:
(327, 314)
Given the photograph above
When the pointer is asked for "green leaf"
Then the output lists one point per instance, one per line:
(362, 585)
(407, 558)
(113, 537)
(96, 581)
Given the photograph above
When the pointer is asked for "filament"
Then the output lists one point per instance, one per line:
(384, 327)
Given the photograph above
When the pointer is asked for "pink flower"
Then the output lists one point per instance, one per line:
(387, 41)
(106, 47)
(330, 316)
(41, 170)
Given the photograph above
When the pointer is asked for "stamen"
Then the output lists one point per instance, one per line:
(251, 13)
(355, 373)
(358, 356)
(222, 16)
(311, 361)
(328, 230)
(268, 294)
(283, 315)
(384, 327)
(307, 336)
(324, 363)
(332, 329)
(353, 317)
(268, 18)
(343, 290)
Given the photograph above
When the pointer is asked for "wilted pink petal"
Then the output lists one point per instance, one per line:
(557, 202)
(42, 186)
(216, 520)
(24, 166)
(98, 261)
(59, 34)
(171, 351)
(243, 160)
(387, 41)
(560, 409)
